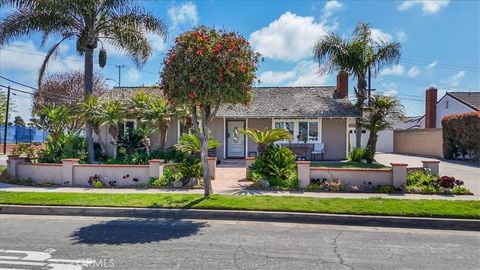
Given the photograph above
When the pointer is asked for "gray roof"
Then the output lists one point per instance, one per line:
(292, 102)
(471, 99)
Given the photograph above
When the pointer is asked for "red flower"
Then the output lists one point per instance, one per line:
(204, 37)
(192, 95)
(199, 52)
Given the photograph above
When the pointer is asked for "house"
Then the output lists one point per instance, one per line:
(450, 103)
(313, 115)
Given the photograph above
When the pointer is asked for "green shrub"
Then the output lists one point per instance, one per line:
(190, 167)
(24, 149)
(67, 145)
(420, 178)
(99, 184)
(460, 190)
(358, 154)
(277, 166)
(169, 175)
(386, 189)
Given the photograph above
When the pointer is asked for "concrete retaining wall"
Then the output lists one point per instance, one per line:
(422, 142)
(354, 177)
(71, 173)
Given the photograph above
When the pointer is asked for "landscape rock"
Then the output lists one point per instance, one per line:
(263, 183)
(177, 184)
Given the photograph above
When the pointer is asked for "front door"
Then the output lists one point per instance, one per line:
(235, 140)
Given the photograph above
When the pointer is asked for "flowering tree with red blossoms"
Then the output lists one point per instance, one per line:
(205, 69)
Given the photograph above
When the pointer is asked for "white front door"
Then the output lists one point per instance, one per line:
(235, 140)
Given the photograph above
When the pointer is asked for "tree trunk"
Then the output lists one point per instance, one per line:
(88, 82)
(163, 135)
(361, 85)
(203, 135)
(372, 144)
(98, 132)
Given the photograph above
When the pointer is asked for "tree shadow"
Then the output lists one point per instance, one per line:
(135, 231)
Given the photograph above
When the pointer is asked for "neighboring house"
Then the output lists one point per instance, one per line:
(314, 115)
(450, 103)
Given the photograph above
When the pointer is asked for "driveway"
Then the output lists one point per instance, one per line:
(468, 172)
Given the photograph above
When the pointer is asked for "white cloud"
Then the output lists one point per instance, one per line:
(428, 6)
(390, 92)
(133, 75)
(431, 65)
(307, 74)
(401, 36)
(395, 70)
(414, 72)
(157, 42)
(331, 7)
(185, 13)
(275, 77)
(455, 79)
(290, 37)
(24, 56)
(378, 35)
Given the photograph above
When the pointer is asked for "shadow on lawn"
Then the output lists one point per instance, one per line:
(135, 231)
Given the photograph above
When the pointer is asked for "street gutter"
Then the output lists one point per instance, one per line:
(263, 216)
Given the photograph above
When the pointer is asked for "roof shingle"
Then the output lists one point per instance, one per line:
(293, 102)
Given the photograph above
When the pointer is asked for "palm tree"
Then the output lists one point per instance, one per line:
(266, 137)
(91, 111)
(122, 23)
(113, 114)
(158, 114)
(190, 143)
(54, 119)
(356, 56)
(379, 115)
(145, 131)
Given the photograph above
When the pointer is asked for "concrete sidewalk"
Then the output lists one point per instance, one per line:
(239, 191)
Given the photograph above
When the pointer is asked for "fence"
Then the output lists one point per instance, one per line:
(17, 134)
(422, 142)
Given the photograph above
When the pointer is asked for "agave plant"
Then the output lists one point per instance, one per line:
(190, 143)
(266, 137)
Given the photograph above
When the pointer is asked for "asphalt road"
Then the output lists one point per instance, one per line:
(49, 242)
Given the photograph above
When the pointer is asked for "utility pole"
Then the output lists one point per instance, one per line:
(6, 123)
(119, 73)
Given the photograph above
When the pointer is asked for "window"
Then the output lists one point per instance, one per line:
(446, 104)
(126, 127)
(302, 131)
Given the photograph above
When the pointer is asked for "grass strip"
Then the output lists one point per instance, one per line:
(371, 206)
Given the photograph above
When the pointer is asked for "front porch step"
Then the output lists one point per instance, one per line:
(232, 163)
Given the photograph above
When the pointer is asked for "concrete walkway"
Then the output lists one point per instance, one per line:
(466, 171)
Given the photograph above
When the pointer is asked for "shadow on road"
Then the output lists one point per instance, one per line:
(135, 231)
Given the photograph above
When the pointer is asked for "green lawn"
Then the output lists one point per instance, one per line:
(373, 206)
(347, 164)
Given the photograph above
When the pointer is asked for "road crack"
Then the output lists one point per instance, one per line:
(337, 252)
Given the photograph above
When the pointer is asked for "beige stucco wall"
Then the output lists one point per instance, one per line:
(83, 172)
(216, 130)
(259, 124)
(354, 177)
(334, 136)
(41, 173)
(423, 142)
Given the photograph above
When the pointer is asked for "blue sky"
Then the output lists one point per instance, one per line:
(440, 44)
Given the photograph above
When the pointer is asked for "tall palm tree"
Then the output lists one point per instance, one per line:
(356, 56)
(122, 23)
(91, 112)
(113, 114)
(379, 115)
(266, 137)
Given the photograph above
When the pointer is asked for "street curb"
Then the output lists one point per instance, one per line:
(265, 216)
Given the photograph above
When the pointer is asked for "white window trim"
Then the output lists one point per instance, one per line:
(125, 125)
(296, 128)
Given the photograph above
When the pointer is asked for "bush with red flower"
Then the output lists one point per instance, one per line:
(461, 135)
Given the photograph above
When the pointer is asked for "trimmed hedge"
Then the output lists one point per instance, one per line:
(461, 135)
